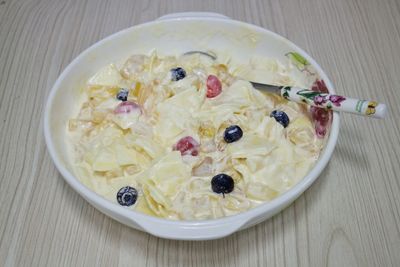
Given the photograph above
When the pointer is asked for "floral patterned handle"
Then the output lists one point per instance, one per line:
(334, 102)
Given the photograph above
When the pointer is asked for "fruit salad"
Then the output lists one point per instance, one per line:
(188, 138)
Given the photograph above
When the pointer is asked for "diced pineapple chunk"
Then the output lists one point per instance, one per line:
(170, 172)
(108, 76)
(125, 156)
(135, 91)
(148, 145)
(207, 129)
(126, 120)
(105, 161)
(301, 131)
(260, 191)
(90, 156)
(250, 145)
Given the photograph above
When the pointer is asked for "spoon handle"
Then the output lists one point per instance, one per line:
(324, 100)
(334, 102)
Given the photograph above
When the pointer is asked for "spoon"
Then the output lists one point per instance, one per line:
(318, 99)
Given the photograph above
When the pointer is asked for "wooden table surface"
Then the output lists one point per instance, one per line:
(349, 217)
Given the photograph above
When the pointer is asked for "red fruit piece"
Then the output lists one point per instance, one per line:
(126, 107)
(214, 86)
(187, 146)
(320, 129)
(319, 86)
(320, 114)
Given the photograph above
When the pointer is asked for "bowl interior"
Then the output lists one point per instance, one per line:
(238, 40)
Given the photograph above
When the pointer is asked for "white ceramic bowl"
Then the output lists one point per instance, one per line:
(173, 34)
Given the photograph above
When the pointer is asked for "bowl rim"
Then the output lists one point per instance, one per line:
(191, 229)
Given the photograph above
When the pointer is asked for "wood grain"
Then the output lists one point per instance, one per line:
(349, 217)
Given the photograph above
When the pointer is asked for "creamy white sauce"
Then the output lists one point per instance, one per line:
(112, 150)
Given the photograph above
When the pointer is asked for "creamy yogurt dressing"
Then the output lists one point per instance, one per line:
(131, 143)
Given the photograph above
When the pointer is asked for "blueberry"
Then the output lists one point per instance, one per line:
(222, 183)
(232, 133)
(127, 196)
(123, 94)
(280, 117)
(177, 74)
